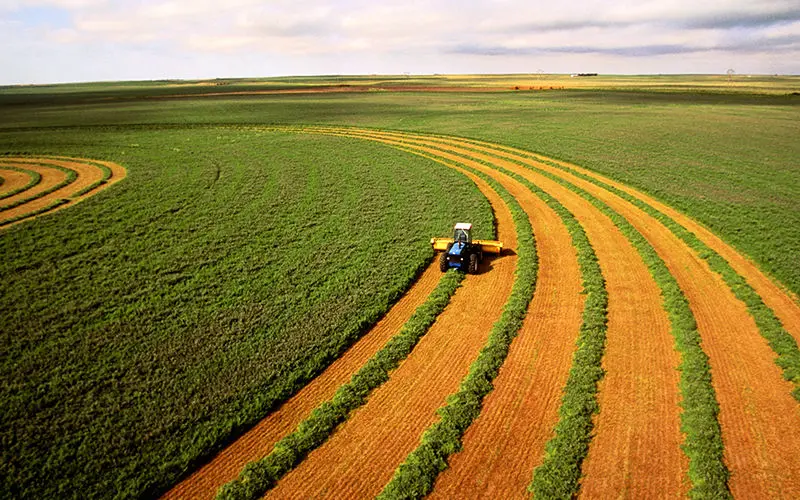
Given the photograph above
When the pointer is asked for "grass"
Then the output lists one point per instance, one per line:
(148, 326)
(260, 476)
(737, 177)
(414, 478)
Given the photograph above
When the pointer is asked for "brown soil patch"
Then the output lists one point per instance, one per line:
(759, 417)
(637, 445)
(13, 180)
(361, 456)
(258, 442)
(87, 174)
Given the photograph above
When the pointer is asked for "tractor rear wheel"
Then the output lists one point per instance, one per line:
(473, 263)
(443, 262)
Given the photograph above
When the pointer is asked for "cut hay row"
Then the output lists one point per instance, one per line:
(757, 413)
(55, 182)
(18, 180)
(636, 318)
(258, 477)
(637, 443)
(416, 475)
(754, 403)
(703, 443)
(361, 456)
(261, 439)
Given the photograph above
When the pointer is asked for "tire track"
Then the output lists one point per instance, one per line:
(359, 459)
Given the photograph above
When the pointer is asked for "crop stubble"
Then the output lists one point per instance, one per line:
(359, 459)
(13, 180)
(258, 442)
(758, 416)
(87, 175)
(641, 364)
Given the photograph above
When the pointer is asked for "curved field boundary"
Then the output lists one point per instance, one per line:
(361, 456)
(259, 441)
(758, 422)
(258, 477)
(19, 180)
(64, 181)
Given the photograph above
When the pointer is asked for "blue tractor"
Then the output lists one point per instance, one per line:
(462, 252)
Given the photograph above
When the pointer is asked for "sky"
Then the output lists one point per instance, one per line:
(52, 41)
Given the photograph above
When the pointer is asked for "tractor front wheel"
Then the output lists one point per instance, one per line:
(443, 262)
(473, 263)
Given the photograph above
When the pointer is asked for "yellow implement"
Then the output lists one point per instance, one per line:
(487, 246)
(461, 251)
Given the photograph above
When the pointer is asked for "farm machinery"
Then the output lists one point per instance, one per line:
(461, 251)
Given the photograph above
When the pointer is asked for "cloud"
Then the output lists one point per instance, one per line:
(316, 36)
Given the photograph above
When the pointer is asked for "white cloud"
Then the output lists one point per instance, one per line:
(317, 36)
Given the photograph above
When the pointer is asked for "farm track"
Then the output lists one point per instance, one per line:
(258, 442)
(55, 190)
(361, 456)
(758, 416)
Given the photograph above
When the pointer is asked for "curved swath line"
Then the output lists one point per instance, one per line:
(18, 180)
(361, 456)
(259, 441)
(255, 444)
(639, 329)
(51, 179)
(758, 417)
(91, 176)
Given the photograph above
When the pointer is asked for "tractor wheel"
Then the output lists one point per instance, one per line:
(473, 263)
(443, 262)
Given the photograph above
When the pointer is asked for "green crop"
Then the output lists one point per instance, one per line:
(147, 326)
(260, 476)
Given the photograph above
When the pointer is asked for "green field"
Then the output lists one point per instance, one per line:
(150, 325)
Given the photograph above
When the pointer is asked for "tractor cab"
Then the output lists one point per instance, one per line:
(463, 233)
